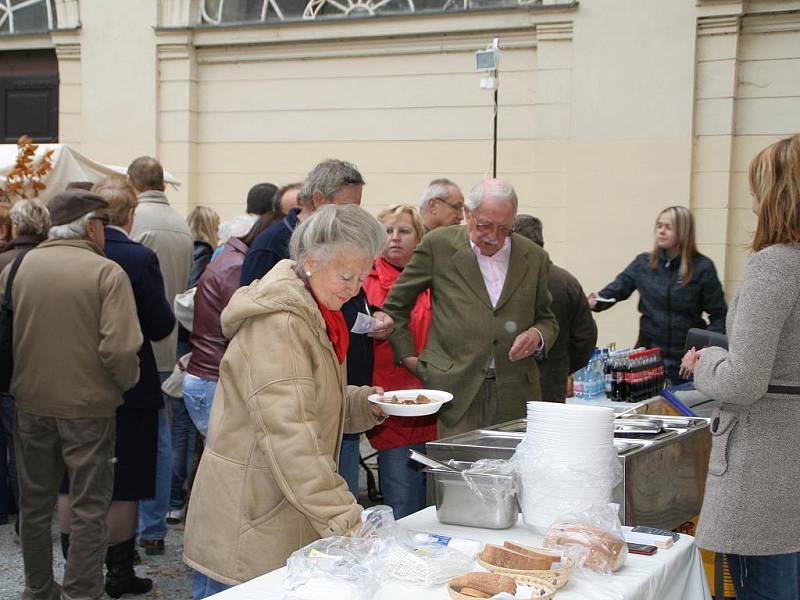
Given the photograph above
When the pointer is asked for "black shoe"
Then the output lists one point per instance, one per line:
(152, 547)
(121, 578)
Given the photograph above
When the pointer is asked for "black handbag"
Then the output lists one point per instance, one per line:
(703, 338)
(7, 328)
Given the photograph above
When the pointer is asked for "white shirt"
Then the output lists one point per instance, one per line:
(494, 269)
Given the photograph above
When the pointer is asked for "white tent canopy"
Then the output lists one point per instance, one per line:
(68, 165)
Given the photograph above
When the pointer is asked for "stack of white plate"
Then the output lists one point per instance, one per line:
(567, 461)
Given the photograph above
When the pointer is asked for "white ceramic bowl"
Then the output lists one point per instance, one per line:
(437, 397)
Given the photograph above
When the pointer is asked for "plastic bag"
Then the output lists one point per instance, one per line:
(345, 568)
(492, 479)
(604, 469)
(551, 488)
(422, 563)
(594, 539)
(400, 556)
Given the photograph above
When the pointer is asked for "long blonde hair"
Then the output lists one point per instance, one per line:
(774, 178)
(683, 226)
(204, 224)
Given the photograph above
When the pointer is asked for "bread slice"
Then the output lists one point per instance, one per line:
(486, 583)
(551, 556)
(509, 559)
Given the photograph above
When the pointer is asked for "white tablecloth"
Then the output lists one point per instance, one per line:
(674, 574)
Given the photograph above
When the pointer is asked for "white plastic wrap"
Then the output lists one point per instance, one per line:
(338, 567)
(402, 557)
(352, 567)
(422, 563)
(498, 479)
(593, 538)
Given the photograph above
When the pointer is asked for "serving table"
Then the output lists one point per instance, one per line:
(673, 574)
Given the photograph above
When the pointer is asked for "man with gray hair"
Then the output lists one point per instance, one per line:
(30, 222)
(330, 182)
(76, 338)
(442, 204)
(491, 313)
(578, 331)
(159, 227)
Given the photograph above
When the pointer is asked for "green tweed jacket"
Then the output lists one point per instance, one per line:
(466, 331)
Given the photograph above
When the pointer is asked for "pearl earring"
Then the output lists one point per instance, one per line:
(308, 273)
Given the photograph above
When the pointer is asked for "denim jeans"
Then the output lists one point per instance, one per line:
(348, 461)
(184, 435)
(402, 483)
(153, 513)
(774, 577)
(203, 586)
(9, 485)
(198, 394)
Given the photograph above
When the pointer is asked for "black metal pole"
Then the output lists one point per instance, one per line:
(494, 136)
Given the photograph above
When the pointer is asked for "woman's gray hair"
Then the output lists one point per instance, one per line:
(30, 217)
(493, 188)
(71, 231)
(347, 226)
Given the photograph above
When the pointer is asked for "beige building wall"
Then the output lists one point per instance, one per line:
(609, 110)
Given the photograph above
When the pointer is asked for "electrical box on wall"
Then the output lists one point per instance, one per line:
(489, 59)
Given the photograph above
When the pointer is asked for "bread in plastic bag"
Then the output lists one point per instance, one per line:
(593, 538)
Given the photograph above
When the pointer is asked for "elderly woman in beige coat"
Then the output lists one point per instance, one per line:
(751, 509)
(267, 483)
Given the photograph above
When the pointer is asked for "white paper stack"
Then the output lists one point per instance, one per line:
(567, 461)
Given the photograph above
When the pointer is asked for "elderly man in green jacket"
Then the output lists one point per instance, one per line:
(491, 313)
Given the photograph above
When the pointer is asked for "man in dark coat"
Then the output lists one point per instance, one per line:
(578, 331)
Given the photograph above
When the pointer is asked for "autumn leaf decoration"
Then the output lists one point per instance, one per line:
(25, 179)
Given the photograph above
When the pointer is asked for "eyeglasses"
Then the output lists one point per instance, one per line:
(487, 226)
(102, 218)
(458, 207)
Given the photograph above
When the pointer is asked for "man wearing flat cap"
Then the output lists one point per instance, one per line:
(76, 338)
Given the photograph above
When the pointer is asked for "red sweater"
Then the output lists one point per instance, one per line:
(397, 432)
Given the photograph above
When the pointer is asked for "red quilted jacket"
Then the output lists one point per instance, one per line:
(397, 432)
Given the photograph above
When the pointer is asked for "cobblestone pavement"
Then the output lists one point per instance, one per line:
(171, 578)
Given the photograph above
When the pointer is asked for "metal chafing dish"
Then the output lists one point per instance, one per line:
(664, 468)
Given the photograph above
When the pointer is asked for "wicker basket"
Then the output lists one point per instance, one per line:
(556, 577)
(541, 590)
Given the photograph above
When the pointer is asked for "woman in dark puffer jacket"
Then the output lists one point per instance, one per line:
(676, 285)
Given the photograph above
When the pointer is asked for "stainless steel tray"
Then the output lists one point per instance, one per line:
(458, 504)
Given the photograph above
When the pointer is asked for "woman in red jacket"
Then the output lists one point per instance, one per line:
(402, 484)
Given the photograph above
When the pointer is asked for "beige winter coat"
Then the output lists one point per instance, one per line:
(267, 483)
(76, 331)
(157, 226)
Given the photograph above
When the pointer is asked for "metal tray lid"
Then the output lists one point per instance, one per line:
(482, 438)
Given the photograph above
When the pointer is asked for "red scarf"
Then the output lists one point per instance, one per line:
(337, 330)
